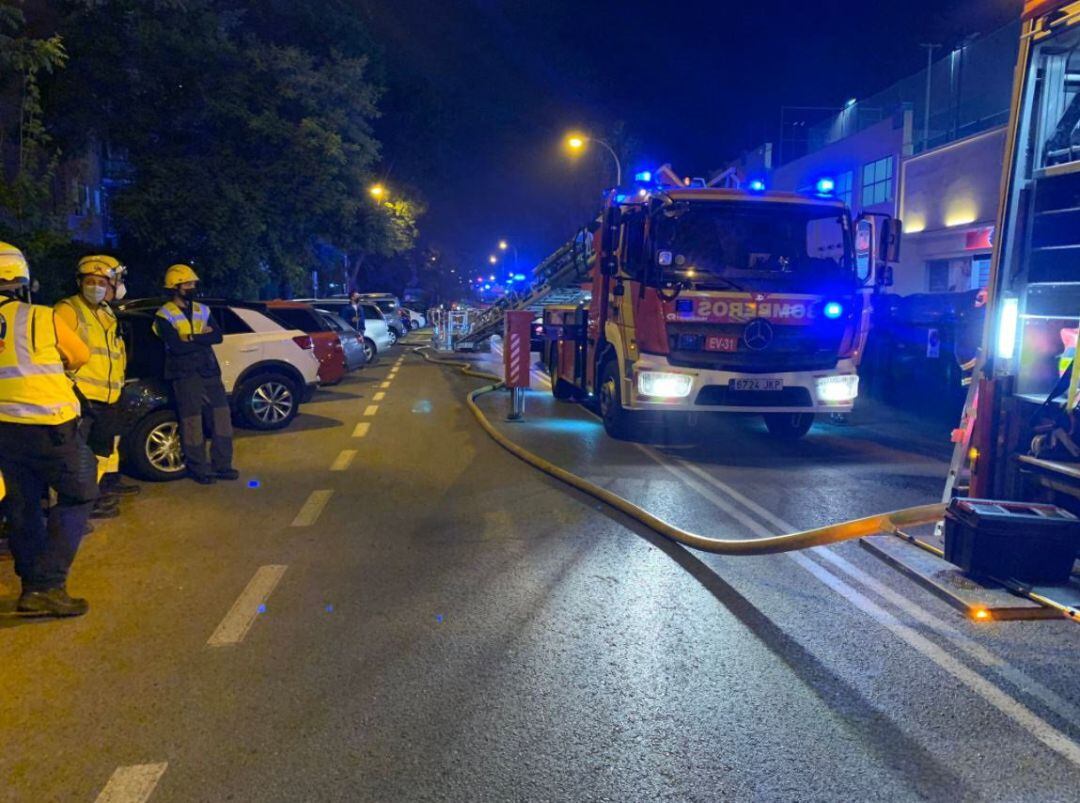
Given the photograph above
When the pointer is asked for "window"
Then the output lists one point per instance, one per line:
(372, 313)
(937, 275)
(877, 183)
(230, 322)
(299, 318)
(844, 183)
(980, 271)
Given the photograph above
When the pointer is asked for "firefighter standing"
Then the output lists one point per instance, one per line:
(190, 333)
(40, 445)
(101, 379)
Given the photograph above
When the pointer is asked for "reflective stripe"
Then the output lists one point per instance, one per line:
(22, 342)
(12, 371)
(27, 410)
(102, 377)
(98, 383)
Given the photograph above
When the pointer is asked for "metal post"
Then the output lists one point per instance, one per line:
(517, 404)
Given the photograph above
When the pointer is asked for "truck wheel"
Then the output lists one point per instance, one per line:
(788, 426)
(617, 419)
(560, 388)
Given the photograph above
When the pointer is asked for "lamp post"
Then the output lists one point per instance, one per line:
(504, 246)
(577, 142)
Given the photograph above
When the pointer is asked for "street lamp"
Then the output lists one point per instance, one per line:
(503, 245)
(493, 259)
(377, 191)
(577, 142)
(506, 246)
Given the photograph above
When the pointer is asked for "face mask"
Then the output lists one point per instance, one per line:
(121, 291)
(94, 293)
(189, 295)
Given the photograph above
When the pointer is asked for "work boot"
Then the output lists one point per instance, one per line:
(51, 602)
(114, 484)
(203, 479)
(227, 474)
(105, 507)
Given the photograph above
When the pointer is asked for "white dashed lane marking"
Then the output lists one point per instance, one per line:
(314, 505)
(250, 603)
(132, 784)
(370, 410)
(361, 429)
(343, 460)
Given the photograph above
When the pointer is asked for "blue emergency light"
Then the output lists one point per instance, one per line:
(756, 185)
(833, 310)
(826, 186)
(644, 176)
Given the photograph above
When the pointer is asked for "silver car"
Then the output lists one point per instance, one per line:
(352, 342)
(377, 338)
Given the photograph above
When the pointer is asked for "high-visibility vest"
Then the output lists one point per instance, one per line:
(200, 317)
(102, 378)
(33, 386)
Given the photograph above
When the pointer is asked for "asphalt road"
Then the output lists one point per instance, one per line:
(401, 610)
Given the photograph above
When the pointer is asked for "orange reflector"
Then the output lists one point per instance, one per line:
(980, 614)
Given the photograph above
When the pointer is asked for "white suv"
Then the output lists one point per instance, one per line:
(267, 369)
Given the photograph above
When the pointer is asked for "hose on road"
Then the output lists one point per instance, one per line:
(820, 536)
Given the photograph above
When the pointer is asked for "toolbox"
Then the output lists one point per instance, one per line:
(1031, 543)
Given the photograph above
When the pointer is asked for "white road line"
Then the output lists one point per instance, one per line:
(370, 410)
(378, 396)
(242, 614)
(314, 505)
(385, 384)
(343, 460)
(132, 784)
(1007, 705)
(361, 429)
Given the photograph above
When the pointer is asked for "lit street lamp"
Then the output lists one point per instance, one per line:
(493, 259)
(378, 191)
(576, 143)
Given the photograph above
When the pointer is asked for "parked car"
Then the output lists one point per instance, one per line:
(352, 342)
(377, 333)
(267, 370)
(389, 305)
(417, 318)
(328, 349)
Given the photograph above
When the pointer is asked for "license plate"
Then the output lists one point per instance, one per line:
(766, 385)
(719, 343)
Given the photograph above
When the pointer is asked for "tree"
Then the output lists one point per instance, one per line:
(247, 147)
(30, 158)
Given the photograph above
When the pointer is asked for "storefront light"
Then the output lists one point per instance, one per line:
(664, 385)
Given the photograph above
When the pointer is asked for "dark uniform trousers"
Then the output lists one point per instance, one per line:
(198, 397)
(33, 458)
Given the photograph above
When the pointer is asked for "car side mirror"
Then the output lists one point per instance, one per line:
(891, 235)
(865, 251)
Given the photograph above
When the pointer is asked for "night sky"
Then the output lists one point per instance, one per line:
(481, 92)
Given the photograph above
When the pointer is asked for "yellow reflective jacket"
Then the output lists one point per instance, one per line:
(33, 386)
(102, 378)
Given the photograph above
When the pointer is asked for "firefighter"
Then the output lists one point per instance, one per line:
(190, 332)
(101, 380)
(40, 444)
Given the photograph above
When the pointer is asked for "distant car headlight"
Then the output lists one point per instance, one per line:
(838, 389)
(668, 386)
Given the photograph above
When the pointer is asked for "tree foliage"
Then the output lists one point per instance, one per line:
(249, 139)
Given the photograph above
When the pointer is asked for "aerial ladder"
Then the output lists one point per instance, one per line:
(556, 280)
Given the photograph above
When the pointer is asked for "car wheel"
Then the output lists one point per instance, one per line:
(268, 401)
(617, 419)
(371, 351)
(153, 449)
(393, 336)
(788, 426)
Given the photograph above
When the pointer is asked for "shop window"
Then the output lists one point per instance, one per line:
(877, 182)
(980, 271)
(937, 275)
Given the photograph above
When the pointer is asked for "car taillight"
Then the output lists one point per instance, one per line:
(304, 341)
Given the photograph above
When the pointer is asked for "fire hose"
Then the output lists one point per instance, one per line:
(834, 533)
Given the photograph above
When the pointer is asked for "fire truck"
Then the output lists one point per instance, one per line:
(1023, 439)
(718, 300)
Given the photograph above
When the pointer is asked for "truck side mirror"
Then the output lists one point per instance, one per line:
(891, 234)
(865, 251)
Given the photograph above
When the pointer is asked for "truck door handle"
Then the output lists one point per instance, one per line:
(247, 349)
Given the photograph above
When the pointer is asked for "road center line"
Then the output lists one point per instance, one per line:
(378, 396)
(385, 384)
(370, 410)
(343, 460)
(361, 429)
(314, 505)
(242, 614)
(1003, 702)
(132, 784)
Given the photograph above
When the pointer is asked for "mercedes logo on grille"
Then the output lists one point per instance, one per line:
(758, 334)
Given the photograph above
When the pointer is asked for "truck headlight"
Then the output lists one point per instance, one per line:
(838, 389)
(668, 386)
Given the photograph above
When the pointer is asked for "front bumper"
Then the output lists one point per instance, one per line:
(712, 391)
(308, 392)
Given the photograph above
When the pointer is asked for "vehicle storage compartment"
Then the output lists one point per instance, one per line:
(1032, 543)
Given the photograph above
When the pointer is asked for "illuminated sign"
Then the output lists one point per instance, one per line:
(979, 239)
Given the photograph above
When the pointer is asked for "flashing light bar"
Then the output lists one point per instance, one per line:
(826, 186)
(644, 175)
(756, 185)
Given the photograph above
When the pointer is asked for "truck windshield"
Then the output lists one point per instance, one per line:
(748, 245)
